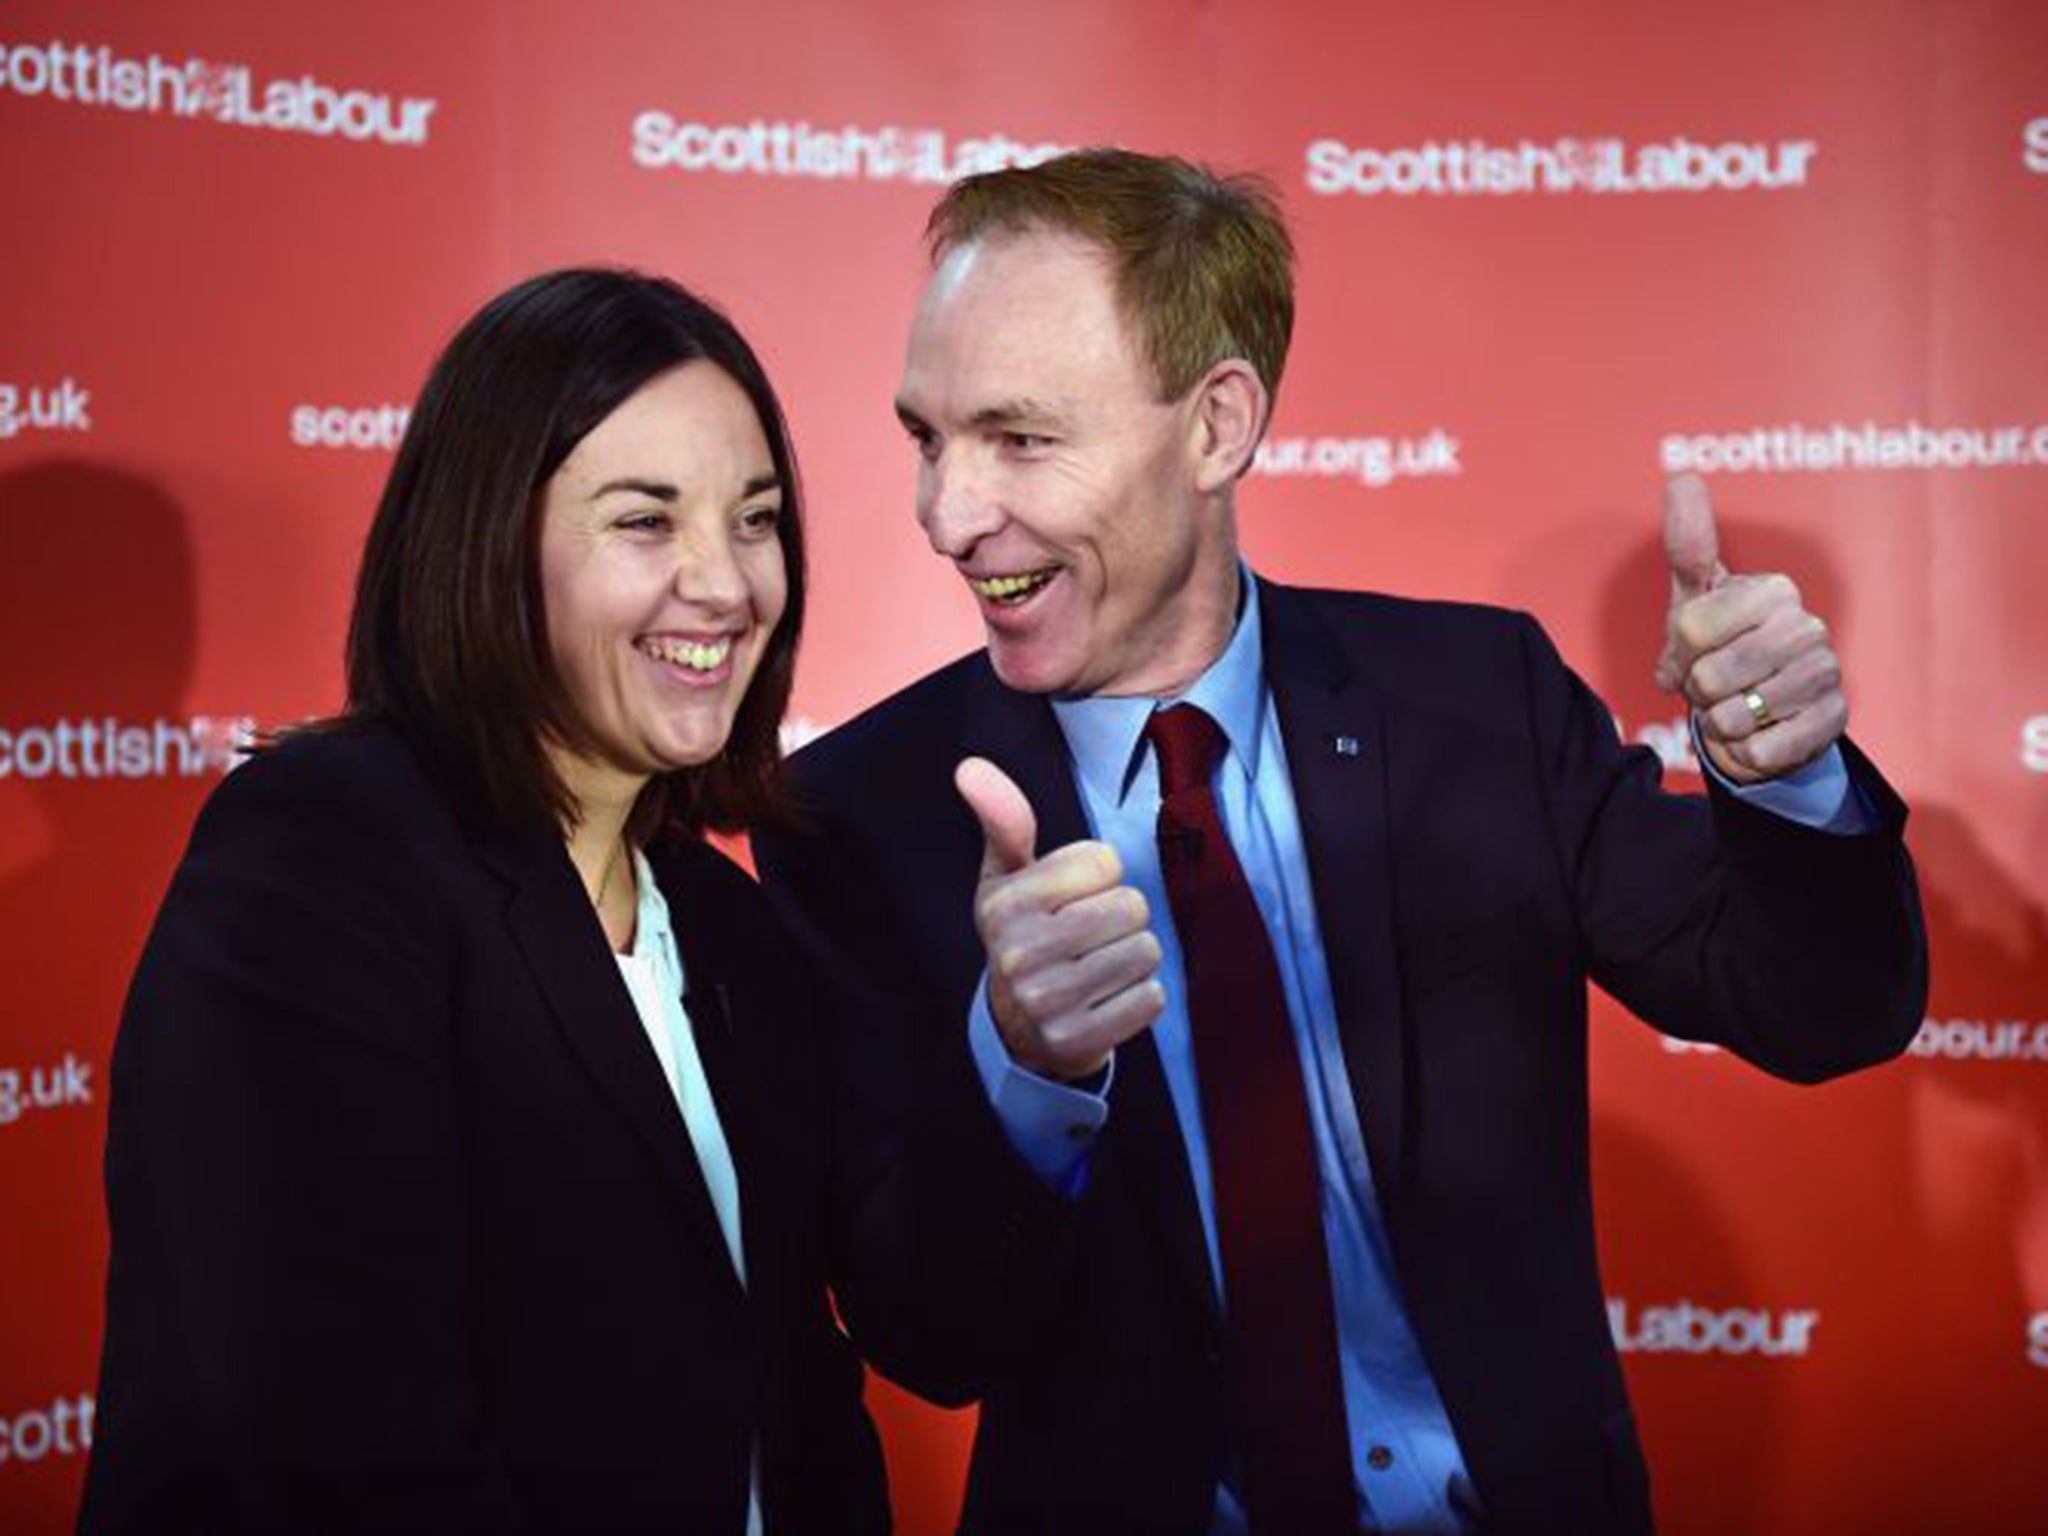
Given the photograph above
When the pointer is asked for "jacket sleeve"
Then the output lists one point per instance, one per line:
(1803, 951)
(950, 1252)
(285, 1179)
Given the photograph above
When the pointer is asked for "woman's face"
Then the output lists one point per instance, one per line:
(662, 577)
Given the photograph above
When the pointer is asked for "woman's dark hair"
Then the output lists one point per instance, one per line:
(448, 638)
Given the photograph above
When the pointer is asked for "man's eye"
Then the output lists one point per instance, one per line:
(924, 440)
(1026, 442)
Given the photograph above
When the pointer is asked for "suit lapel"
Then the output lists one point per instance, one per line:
(558, 936)
(1337, 756)
(716, 1025)
(1020, 734)
(1144, 1135)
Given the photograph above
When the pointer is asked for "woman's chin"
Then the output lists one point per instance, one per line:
(677, 750)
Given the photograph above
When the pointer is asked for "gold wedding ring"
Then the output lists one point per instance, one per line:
(1759, 710)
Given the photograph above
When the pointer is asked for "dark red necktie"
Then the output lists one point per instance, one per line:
(1282, 1330)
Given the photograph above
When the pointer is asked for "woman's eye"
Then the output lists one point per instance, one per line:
(643, 522)
(761, 520)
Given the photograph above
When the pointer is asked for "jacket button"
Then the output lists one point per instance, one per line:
(1379, 1458)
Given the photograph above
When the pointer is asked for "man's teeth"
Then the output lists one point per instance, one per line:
(690, 653)
(1010, 588)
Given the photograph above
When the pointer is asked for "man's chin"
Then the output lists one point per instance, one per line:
(1030, 668)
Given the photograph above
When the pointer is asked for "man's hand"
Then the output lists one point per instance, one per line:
(1765, 684)
(1071, 958)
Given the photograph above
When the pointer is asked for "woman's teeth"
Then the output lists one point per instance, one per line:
(696, 655)
(1012, 589)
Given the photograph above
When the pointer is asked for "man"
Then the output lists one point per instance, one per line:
(1208, 959)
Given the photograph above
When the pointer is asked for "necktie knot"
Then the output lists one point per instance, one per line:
(1188, 743)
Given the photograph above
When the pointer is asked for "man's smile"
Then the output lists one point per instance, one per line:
(1011, 590)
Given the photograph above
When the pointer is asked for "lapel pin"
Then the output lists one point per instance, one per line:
(1347, 746)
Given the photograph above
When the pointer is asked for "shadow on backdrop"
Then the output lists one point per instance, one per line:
(97, 626)
(1664, 1240)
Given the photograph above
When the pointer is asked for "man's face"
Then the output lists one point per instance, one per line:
(1054, 478)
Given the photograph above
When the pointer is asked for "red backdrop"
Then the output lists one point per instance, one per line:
(1547, 253)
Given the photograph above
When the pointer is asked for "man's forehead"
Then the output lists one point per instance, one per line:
(1017, 316)
(1010, 266)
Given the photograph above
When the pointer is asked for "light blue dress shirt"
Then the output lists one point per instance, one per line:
(1406, 1462)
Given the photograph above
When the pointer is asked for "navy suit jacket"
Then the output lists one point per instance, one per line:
(1480, 847)
(408, 1232)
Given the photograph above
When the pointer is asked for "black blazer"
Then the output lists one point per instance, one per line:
(408, 1233)
(1480, 848)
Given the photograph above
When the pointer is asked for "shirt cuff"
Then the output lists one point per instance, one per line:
(1821, 795)
(1052, 1126)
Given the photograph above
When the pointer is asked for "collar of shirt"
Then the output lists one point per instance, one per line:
(653, 936)
(1104, 734)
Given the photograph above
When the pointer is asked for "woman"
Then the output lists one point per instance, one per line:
(465, 1151)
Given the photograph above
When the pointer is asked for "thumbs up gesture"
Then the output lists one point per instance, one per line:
(1072, 960)
(1764, 682)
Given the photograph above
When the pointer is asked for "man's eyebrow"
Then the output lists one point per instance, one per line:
(1004, 413)
(1009, 413)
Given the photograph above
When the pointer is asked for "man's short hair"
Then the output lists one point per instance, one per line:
(1203, 266)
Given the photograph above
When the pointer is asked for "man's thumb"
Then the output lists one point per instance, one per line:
(1692, 544)
(1009, 827)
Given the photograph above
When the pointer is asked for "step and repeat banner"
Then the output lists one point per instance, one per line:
(1549, 253)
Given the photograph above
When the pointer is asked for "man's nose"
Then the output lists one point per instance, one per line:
(955, 505)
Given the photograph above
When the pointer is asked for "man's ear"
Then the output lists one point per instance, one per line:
(1230, 408)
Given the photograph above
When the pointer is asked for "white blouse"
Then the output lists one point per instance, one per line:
(654, 976)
